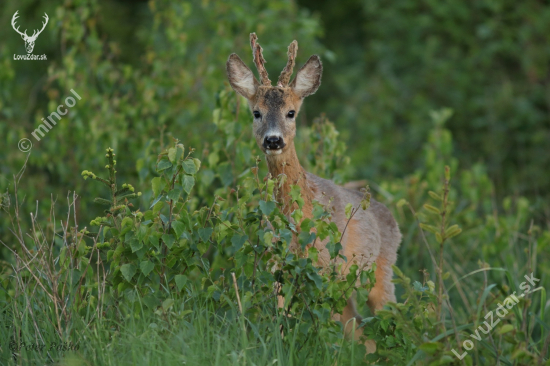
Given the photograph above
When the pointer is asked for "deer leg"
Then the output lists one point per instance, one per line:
(383, 290)
(351, 320)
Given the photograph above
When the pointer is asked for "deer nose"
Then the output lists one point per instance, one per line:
(274, 142)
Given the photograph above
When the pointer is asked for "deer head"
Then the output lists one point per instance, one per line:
(274, 108)
(29, 41)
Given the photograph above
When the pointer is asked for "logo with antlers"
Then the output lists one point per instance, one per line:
(29, 40)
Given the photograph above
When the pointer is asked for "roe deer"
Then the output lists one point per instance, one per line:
(372, 235)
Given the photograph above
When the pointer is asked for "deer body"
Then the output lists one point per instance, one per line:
(372, 235)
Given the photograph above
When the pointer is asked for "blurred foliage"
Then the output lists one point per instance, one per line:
(395, 61)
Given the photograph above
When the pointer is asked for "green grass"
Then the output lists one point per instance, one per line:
(188, 333)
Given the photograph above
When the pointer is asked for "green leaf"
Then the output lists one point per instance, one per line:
(154, 240)
(238, 241)
(430, 228)
(313, 254)
(432, 209)
(141, 234)
(118, 251)
(167, 304)
(146, 267)
(103, 201)
(156, 184)
(185, 219)
(402, 202)
(156, 200)
(295, 194)
(174, 194)
(267, 207)
(127, 221)
(364, 277)
(181, 280)
(189, 166)
(240, 258)
(268, 238)
(307, 224)
(181, 150)
(505, 329)
(226, 173)
(169, 240)
(197, 163)
(207, 177)
(435, 196)
(316, 278)
(286, 235)
(163, 164)
(213, 159)
(136, 245)
(203, 247)
(447, 173)
(431, 347)
(365, 203)
(334, 249)
(151, 301)
(306, 238)
(205, 233)
(452, 231)
(216, 115)
(322, 229)
(178, 227)
(351, 277)
(188, 183)
(172, 154)
(348, 209)
(128, 271)
(171, 261)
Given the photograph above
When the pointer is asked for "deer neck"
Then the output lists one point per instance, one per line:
(287, 163)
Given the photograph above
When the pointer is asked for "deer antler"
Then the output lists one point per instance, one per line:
(43, 26)
(259, 59)
(284, 78)
(15, 16)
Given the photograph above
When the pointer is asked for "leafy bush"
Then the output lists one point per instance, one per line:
(213, 260)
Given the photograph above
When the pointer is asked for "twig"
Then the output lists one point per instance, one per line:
(237, 292)
(451, 313)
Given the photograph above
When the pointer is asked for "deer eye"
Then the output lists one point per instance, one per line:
(291, 114)
(257, 114)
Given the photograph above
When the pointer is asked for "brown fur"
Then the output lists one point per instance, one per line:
(372, 235)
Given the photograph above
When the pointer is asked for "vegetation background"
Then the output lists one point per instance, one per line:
(150, 71)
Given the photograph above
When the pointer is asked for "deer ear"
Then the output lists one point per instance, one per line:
(308, 78)
(240, 77)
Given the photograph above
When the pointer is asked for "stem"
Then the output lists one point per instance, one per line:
(237, 292)
(164, 249)
(440, 269)
(451, 313)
